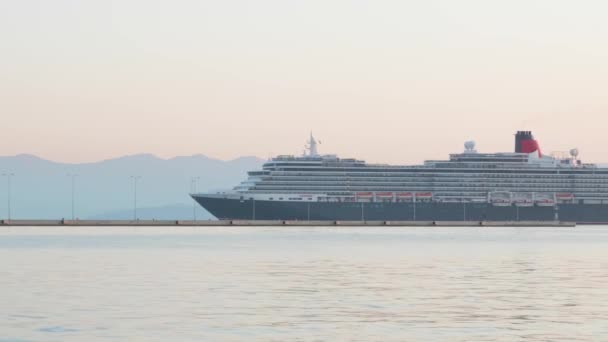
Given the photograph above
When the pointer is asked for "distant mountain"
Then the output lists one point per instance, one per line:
(42, 188)
(167, 212)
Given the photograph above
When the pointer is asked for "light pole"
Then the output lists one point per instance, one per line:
(135, 179)
(362, 211)
(73, 180)
(193, 181)
(8, 195)
(308, 212)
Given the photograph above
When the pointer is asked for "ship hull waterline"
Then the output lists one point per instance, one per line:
(235, 209)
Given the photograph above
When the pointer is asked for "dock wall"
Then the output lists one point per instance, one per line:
(279, 223)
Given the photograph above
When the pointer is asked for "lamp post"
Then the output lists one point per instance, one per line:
(135, 179)
(8, 193)
(308, 212)
(362, 211)
(73, 181)
(193, 181)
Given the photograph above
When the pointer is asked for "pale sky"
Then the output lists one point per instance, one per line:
(385, 81)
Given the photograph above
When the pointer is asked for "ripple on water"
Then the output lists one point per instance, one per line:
(57, 329)
(304, 284)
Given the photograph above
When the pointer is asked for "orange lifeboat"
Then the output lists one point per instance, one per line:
(424, 195)
(564, 196)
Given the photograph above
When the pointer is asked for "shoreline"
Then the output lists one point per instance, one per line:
(281, 223)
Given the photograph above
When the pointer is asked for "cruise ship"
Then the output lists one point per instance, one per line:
(523, 185)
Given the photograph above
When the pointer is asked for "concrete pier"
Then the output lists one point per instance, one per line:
(279, 223)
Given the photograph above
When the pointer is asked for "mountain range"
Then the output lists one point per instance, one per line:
(42, 189)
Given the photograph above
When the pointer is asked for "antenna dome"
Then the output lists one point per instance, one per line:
(574, 152)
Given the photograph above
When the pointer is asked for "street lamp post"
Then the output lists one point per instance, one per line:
(308, 212)
(8, 194)
(73, 180)
(135, 179)
(362, 211)
(193, 181)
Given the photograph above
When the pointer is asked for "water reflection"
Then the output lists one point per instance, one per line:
(364, 284)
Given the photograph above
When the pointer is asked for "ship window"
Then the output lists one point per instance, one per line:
(271, 198)
(280, 198)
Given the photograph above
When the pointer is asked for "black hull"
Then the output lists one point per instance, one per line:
(234, 209)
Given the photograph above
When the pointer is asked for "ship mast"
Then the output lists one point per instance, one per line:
(312, 147)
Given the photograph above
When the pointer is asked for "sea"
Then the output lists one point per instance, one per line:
(303, 284)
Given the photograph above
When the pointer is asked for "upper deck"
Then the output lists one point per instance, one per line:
(467, 176)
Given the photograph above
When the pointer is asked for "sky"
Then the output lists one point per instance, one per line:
(385, 81)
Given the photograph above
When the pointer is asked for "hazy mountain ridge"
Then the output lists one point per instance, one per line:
(167, 212)
(42, 189)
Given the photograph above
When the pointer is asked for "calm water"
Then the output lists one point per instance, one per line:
(277, 284)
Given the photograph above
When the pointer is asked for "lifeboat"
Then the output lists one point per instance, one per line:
(424, 195)
(500, 202)
(500, 199)
(564, 196)
(384, 196)
(523, 202)
(544, 200)
(364, 194)
(523, 199)
(404, 195)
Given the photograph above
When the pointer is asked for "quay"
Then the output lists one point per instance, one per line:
(275, 223)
